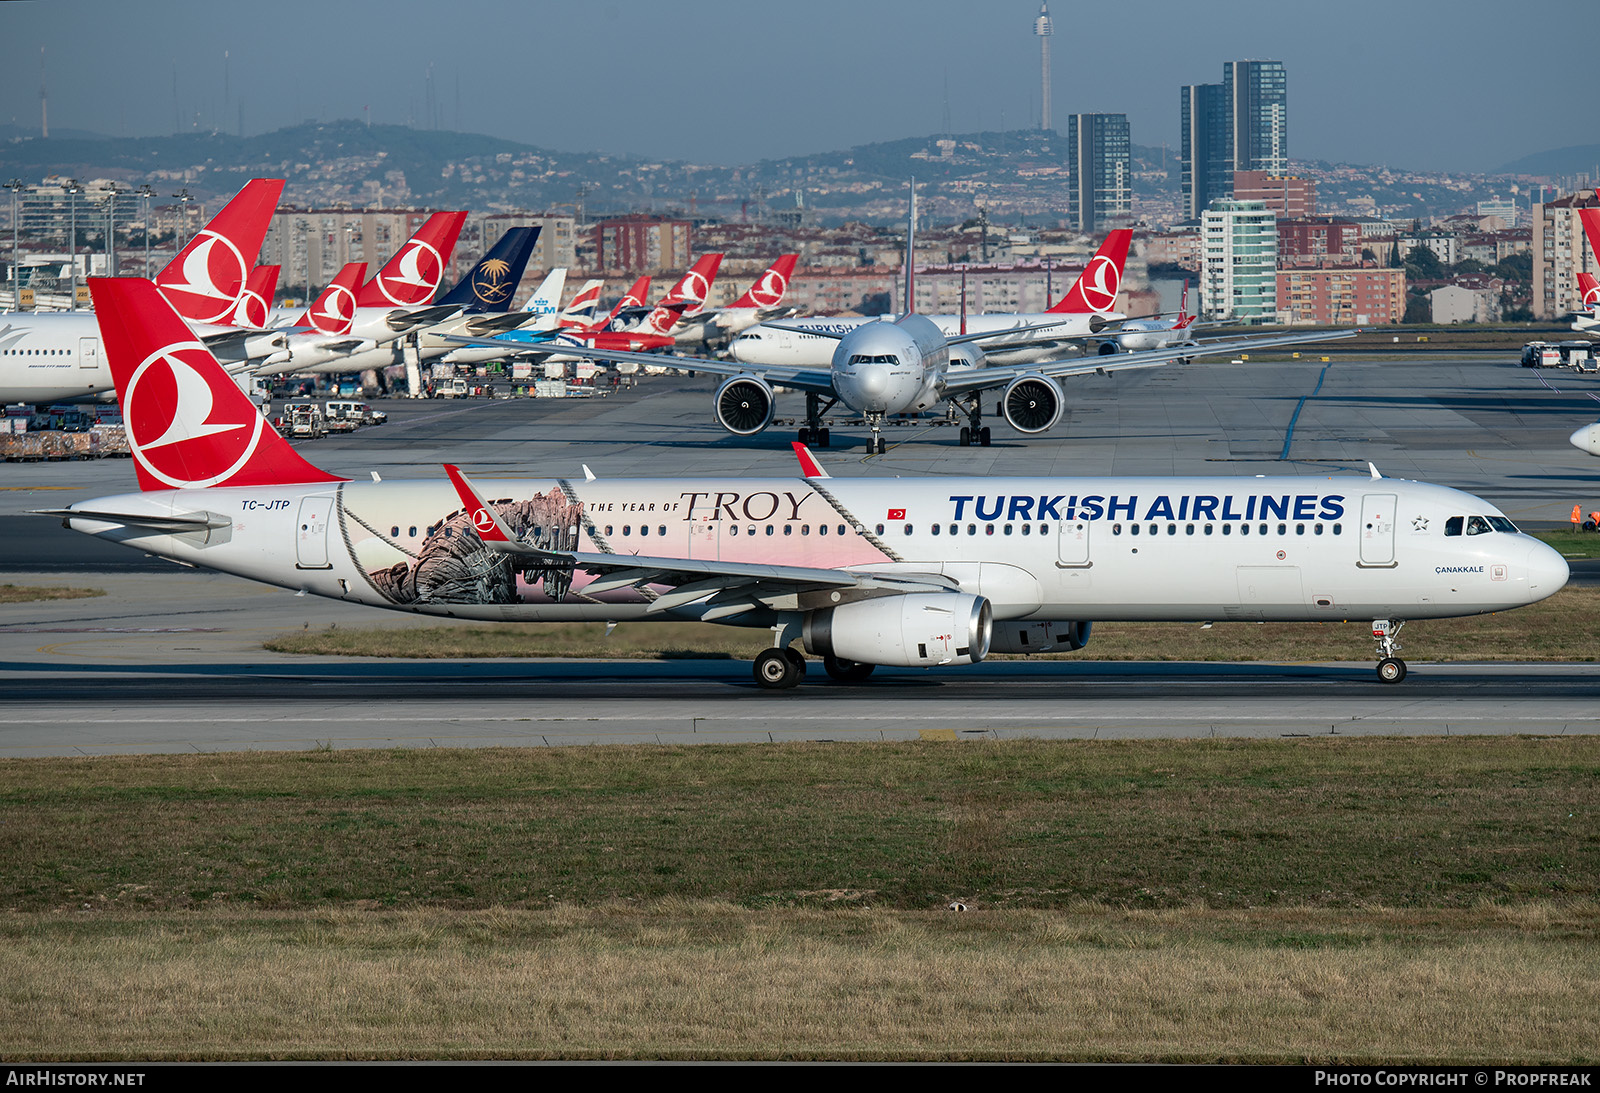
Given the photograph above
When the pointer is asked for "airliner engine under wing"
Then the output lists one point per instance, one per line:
(908, 366)
(863, 572)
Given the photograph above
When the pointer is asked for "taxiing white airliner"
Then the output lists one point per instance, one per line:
(862, 572)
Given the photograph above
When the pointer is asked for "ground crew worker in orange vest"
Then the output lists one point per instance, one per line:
(1577, 516)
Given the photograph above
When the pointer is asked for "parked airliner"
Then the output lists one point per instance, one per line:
(862, 572)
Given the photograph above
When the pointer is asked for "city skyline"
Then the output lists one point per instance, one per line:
(1419, 88)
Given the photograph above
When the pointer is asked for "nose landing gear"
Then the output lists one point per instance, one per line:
(1391, 669)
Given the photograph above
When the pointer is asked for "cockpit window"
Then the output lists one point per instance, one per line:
(1502, 524)
(1477, 525)
(864, 358)
(1452, 526)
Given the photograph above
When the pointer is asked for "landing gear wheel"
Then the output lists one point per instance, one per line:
(797, 661)
(822, 438)
(983, 436)
(846, 671)
(805, 436)
(966, 437)
(775, 669)
(883, 445)
(1391, 670)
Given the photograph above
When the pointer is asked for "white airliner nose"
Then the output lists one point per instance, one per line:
(1587, 439)
(1547, 571)
(872, 380)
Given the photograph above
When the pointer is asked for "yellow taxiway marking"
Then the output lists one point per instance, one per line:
(936, 734)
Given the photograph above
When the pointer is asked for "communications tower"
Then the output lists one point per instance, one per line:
(1043, 29)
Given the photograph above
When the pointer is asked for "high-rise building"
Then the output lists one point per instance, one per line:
(1207, 170)
(1258, 115)
(1241, 124)
(1239, 262)
(1560, 252)
(1100, 176)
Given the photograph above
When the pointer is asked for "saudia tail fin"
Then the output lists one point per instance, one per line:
(204, 282)
(189, 425)
(334, 310)
(694, 287)
(255, 303)
(771, 287)
(413, 275)
(1095, 290)
(490, 284)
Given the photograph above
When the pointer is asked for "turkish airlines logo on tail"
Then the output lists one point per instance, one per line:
(252, 310)
(420, 268)
(1101, 282)
(169, 405)
(482, 521)
(335, 311)
(694, 286)
(1592, 296)
(209, 281)
(770, 290)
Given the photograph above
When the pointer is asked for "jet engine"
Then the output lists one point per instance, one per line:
(1032, 403)
(744, 405)
(1039, 636)
(915, 630)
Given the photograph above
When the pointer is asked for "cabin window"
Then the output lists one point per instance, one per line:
(770, 530)
(1027, 529)
(1133, 529)
(935, 529)
(805, 529)
(662, 530)
(644, 529)
(1244, 529)
(908, 529)
(988, 529)
(1007, 529)
(972, 529)
(822, 529)
(394, 533)
(1283, 529)
(1317, 529)
(1263, 529)
(1299, 529)
(627, 529)
(880, 529)
(1338, 529)
(413, 533)
(1227, 529)
(734, 530)
(1188, 529)
(1172, 529)
(609, 530)
(1208, 529)
(788, 529)
(1116, 529)
(841, 529)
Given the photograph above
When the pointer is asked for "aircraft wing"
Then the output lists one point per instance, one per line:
(979, 379)
(732, 587)
(819, 380)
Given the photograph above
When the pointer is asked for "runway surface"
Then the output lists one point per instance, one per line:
(171, 659)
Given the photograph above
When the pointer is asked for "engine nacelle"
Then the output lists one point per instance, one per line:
(1039, 636)
(744, 405)
(916, 630)
(1032, 403)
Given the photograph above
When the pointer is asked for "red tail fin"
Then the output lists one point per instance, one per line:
(189, 425)
(1590, 288)
(771, 287)
(204, 282)
(1591, 228)
(334, 311)
(255, 303)
(412, 276)
(1095, 290)
(694, 287)
(634, 297)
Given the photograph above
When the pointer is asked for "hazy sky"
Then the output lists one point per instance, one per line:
(1466, 85)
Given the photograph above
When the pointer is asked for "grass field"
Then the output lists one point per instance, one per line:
(24, 593)
(1325, 900)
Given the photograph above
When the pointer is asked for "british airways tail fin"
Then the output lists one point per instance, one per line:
(490, 284)
(189, 425)
(1095, 290)
(415, 272)
(204, 281)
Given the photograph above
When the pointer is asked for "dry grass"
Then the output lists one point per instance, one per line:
(1316, 900)
(24, 593)
(708, 980)
(1561, 628)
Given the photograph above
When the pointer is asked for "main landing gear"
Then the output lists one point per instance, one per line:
(780, 669)
(813, 432)
(1391, 669)
(975, 433)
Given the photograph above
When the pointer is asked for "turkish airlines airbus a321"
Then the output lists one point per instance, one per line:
(863, 572)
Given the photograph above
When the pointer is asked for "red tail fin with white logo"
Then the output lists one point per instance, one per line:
(634, 297)
(1590, 289)
(1095, 290)
(413, 275)
(334, 311)
(189, 425)
(771, 287)
(255, 303)
(204, 282)
(1591, 227)
(1184, 318)
(694, 287)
